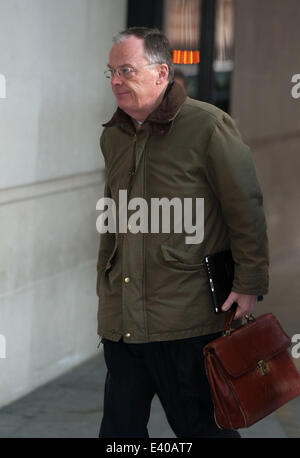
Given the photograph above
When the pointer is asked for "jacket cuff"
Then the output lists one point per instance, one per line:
(250, 281)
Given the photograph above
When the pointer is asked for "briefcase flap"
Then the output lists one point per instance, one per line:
(254, 343)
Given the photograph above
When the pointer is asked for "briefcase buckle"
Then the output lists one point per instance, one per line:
(263, 367)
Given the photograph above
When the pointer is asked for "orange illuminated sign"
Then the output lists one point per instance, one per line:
(186, 57)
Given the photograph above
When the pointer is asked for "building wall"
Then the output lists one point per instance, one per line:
(266, 57)
(53, 54)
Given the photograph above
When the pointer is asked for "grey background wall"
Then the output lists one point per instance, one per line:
(52, 54)
(266, 56)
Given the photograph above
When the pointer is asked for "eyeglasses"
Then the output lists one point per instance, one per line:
(124, 72)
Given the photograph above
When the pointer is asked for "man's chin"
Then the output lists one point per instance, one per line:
(124, 104)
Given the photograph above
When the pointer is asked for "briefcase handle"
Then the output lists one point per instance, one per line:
(230, 316)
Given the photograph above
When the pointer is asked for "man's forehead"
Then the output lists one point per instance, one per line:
(129, 51)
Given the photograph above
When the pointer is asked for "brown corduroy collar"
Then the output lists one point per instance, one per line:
(161, 118)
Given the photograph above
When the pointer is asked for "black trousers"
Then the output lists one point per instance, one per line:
(174, 370)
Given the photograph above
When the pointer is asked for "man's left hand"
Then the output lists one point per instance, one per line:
(246, 304)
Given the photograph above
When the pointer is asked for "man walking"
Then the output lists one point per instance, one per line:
(155, 311)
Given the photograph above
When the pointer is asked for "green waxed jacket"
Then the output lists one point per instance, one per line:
(153, 286)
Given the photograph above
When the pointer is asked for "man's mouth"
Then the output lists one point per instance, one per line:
(121, 93)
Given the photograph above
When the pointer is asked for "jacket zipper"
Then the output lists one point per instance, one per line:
(133, 169)
(144, 246)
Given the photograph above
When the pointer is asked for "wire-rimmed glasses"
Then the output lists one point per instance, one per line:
(124, 72)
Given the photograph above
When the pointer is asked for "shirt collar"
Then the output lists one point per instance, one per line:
(160, 120)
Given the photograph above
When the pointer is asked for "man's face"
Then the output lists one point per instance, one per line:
(138, 93)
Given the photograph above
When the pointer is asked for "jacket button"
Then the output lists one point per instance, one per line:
(127, 279)
(127, 334)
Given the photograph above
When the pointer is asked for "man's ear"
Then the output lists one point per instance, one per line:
(163, 74)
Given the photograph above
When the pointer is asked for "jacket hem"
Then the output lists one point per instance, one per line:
(171, 335)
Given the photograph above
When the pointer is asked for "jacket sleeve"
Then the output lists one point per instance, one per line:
(232, 176)
(107, 240)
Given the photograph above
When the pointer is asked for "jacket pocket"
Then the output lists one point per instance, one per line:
(180, 259)
(99, 276)
(110, 259)
(102, 271)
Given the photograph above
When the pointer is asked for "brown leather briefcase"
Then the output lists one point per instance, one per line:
(250, 371)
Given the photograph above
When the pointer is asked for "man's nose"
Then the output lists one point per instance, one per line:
(116, 79)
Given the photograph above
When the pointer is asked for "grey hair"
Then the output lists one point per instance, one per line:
(156, 45)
